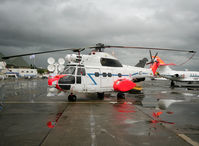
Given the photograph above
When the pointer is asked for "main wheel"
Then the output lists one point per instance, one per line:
(120, 95)
(100, 96)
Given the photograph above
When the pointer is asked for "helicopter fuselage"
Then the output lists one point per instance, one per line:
(96, 73)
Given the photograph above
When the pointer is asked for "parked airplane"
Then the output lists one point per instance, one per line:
(178, 76)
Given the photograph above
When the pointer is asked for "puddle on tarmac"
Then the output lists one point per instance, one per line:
(165, 103)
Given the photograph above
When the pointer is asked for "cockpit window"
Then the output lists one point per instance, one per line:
(81, 71)
(110, 62)
(69, 70)
(67, 80)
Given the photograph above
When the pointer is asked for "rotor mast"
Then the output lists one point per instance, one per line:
(99, 47)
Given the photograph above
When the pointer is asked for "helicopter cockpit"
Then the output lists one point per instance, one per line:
(73, 74)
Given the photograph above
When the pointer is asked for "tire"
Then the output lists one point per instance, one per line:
(100, 96)
(120, 95)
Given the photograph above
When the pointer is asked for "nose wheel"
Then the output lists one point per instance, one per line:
(72, 98)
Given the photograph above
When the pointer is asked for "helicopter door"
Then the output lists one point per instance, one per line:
(80, 78)
(93, 79)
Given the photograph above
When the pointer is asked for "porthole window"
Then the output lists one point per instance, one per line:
(104, 74)
(109, 75)
(119, 75)
(96, 74)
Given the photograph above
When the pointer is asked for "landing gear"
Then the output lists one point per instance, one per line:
(172, 84)
(72, 97)
(100, 96)
(120, 95)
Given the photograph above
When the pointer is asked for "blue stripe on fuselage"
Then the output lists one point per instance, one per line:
(91, 74)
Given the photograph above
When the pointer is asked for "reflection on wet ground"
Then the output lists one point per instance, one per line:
(30, 114)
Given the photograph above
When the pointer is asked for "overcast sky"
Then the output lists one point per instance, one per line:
(38, 25)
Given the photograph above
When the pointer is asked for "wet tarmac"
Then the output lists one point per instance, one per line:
(29, 115)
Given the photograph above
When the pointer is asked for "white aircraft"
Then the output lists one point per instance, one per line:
(98, 72)
(179, 76)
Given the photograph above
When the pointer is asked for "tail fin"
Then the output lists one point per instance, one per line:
(161, 62)
(158, 62)
(154, 67)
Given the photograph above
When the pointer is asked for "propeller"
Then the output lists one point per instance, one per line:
(152, 58)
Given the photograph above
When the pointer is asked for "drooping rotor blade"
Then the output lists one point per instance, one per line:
(150, 54)
(44, 52)
(144, 48)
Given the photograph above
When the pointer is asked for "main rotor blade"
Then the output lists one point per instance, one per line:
(44, 52)
(147, 48)
(150, 54)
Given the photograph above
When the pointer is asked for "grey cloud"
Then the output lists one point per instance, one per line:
(49, 24)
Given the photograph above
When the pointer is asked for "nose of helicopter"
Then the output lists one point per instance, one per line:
(65, 82)
(53, 80)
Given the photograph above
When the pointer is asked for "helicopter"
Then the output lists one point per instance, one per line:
(97, 72)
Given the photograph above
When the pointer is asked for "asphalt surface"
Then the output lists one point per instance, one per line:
(31, 115)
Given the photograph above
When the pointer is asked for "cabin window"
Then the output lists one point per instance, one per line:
(104, 74)
(109, 75)
(110, 62)
(119, 75)
(81, 71)
(67, 80)
(96, 74)
(70, 70)
(26, 71)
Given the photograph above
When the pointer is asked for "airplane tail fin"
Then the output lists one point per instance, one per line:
(161, 62)
(154, 67)
(157, 63)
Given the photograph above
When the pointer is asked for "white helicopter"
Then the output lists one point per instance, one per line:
(97, 72)
(179, 76)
